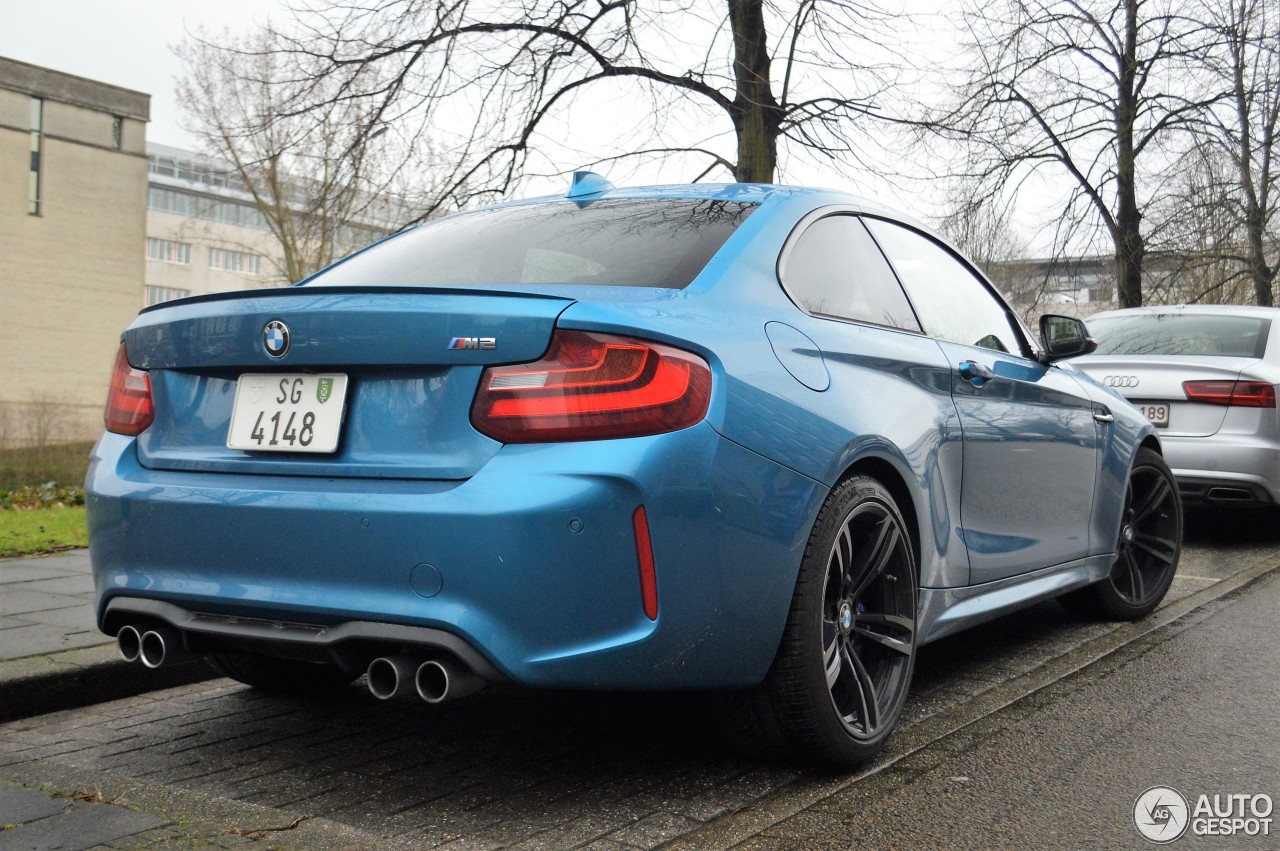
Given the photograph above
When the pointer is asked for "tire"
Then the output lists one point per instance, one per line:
(1150, 541)
(841, 676)
(281, 676)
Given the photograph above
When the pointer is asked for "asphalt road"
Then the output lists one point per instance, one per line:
(1038, 730)
(1192, 707)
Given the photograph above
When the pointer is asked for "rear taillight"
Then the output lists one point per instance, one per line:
(129, 407)
(1235, 394)
(591, 386)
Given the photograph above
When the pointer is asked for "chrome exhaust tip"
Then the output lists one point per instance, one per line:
(438, 680)
(1229, 495)
(158, 646)
(129, 643)
(390, 676)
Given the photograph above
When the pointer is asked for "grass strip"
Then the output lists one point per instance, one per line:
(42, 530)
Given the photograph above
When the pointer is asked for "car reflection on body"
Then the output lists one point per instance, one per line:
(742, 437)
(1206, 376)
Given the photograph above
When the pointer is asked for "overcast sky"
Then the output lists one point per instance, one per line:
(129, 43)
(122, 42)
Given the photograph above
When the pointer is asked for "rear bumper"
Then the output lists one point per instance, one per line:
(350, 645)
(1224, 491)
(1225, 468)
(531, 562)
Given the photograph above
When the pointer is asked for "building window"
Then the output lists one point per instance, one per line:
(117, 131)
(194, 172)
(168, 251)
(33, 177)
(155, 295)
(233, 261)
(201, 207)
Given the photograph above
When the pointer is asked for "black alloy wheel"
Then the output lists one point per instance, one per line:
(1150, 534)
(840, 679)
(868, 620)
(1149, 543)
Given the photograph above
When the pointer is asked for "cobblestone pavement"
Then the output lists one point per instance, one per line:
(219, 763)
(46, 605)
(52, 655)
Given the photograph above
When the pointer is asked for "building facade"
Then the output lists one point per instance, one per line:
(204, 233)
(73, 215)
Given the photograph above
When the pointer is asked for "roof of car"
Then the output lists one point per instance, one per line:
(1202, 309)
(753, 193)
(750, 193)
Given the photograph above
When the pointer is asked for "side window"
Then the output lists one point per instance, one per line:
(951, 302)
(835, 269)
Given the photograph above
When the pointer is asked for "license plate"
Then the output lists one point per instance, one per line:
(1158, 414)
(287, 412)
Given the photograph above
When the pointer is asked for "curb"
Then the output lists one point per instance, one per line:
(73, 678)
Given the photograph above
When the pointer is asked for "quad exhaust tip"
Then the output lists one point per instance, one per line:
(391, 676)
(158, 646)
(435, 680)
(438, 680)
(129, 643)
(153, 647)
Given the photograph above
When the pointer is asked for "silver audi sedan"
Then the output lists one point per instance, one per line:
(1206, 376)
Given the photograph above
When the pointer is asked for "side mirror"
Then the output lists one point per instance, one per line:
(1065, 337)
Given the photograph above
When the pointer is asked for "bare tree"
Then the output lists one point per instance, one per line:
(1242, 128)
(1088, 89)
(321, 182)
(508, 77)
(979, 225)
(1195, 237)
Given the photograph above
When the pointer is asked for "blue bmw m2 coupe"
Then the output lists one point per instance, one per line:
(742, 437)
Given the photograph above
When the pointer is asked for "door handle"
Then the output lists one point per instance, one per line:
(1103, 415)
(975, 373)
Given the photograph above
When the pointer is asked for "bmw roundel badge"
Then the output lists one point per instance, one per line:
(275, 338)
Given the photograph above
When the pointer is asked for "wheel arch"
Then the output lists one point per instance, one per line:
(887, 473)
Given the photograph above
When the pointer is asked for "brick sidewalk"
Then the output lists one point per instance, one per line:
(52, 655)
(46, 605)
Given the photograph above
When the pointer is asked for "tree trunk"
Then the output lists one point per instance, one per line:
(1128, 223)
(1263, 275)
(1129, 256)
(756, 114)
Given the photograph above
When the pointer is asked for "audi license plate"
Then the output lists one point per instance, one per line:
(288, 412)
(1158, 414)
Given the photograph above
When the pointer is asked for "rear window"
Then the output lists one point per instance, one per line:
(631, 243)
(1181, 334)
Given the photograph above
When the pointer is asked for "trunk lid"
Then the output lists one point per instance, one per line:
(412, 358)
(1151, 379)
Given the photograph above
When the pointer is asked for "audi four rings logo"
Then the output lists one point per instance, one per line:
(1121, 381)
